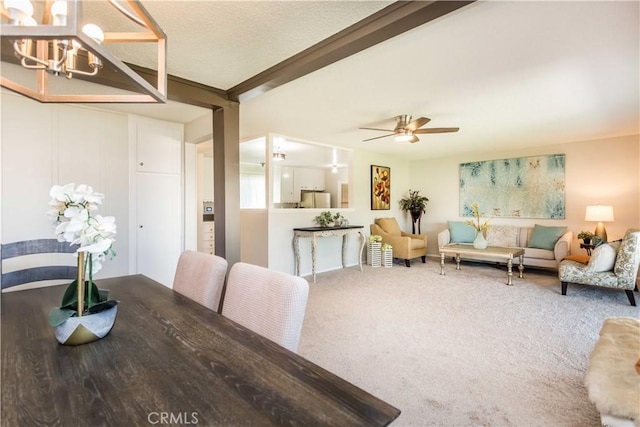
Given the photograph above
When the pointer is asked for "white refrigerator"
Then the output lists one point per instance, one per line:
(315, 199)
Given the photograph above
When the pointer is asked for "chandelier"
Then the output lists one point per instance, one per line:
(66, 46)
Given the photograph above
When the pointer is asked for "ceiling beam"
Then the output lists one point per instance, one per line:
(394, 19)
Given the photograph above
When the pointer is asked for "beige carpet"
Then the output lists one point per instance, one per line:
(462, 349)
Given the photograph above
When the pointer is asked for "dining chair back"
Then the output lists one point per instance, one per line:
(200, 277)
(268, 302)
(31, 269)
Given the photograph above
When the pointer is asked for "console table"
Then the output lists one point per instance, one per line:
(315, 232)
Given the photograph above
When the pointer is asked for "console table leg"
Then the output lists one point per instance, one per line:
(296, 253)
(509, 271)
(362, 240)
(344, 250)
(521, 267)
(442, 263)
(314, 247)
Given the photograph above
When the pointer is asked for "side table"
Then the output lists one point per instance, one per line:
(587, 247)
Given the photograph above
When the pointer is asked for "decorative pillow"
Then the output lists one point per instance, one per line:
(502, 235)
(461, 232)
(602, 259)
(545, 237)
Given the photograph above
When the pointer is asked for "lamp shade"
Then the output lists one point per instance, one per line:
(599, 213)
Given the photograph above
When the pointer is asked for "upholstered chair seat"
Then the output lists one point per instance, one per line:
(405, 245)
(607, 268)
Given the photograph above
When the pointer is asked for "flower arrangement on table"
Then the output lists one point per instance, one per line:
(73, 209)
(475, 223)
(327, 219)
(386, 247)
(586, 236)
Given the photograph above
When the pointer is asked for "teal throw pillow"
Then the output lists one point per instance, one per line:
(461, 232)
(545, 237)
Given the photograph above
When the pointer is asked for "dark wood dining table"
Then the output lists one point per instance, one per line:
(168, 360)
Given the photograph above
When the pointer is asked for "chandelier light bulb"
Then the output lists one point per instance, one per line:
(19, 10)
(59, 12)
(93, 31)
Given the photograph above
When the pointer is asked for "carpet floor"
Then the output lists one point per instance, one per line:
(462, 349)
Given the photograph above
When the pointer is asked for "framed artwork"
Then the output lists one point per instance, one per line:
(380, 188)
(523, 187)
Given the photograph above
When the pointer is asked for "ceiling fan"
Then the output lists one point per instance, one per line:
(406, 129)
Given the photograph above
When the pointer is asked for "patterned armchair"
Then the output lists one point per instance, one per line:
(623, 275)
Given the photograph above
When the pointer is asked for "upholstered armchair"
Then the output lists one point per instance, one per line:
(405, 245)
(605, 268)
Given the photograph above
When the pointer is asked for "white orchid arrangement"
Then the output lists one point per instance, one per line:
(73, 209)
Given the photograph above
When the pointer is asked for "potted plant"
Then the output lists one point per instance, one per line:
(85, 313)
(325, 219)
(586, 236)
(416, 205)
(479, 242)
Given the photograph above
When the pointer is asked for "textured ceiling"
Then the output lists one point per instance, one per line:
(223, 43)
(507, 73)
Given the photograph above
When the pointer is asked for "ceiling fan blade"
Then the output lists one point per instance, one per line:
(377, 137)
(417, 123)
(436, 130)
(382, 130)
(414, 139)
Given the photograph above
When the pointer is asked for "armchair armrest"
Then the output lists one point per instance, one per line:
(415, 236)
(563, 246)
(444, 238)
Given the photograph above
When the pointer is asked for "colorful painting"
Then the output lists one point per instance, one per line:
(380, 188)
(524, 187)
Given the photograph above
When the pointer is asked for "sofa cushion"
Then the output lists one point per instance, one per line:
(502, 235)
(544, 237)
(539, 253)
(461, 232)
(389, 225)
(602, 259)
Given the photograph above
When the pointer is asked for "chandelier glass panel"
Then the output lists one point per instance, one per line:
(46, 45)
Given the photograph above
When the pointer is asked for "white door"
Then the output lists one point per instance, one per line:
(158, 226)
(158, 199)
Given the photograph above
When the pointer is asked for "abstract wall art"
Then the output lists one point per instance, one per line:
(523, 187)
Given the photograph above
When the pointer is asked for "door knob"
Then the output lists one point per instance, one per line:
(141, 226)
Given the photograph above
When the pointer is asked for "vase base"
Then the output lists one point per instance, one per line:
(86, 329)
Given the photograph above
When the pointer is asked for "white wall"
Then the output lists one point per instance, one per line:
(604, 171)
(282, 221)
(47, 144)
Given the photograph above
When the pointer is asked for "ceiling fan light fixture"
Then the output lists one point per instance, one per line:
(404, 136)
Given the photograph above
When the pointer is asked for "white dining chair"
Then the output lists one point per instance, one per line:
(200, 277)
(268, 302)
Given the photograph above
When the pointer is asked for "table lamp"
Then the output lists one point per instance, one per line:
(599, 214)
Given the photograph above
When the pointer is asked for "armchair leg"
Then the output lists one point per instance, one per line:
(424, 259)
(564, 288)
(407, 262)
(632, 299)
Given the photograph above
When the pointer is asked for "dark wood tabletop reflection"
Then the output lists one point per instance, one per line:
(167, 360)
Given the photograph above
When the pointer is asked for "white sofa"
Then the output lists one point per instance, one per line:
(507, 235)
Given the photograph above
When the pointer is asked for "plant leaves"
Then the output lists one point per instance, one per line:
(102, 306)
(57, 316)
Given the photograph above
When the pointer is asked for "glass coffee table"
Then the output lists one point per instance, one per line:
(499, 252)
